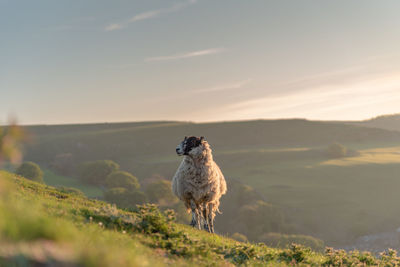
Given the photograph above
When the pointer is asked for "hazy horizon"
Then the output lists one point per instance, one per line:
(15, 120)
(198, 60)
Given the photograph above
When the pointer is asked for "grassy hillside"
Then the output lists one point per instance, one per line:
(137, 146)
(389, 122)
(127, 140)
(336, 200)
(43, 226)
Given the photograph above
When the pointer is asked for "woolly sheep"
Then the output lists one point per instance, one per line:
(199, 182)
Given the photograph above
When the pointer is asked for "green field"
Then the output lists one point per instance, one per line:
(42, 226)
(53, 179)
(336, 200)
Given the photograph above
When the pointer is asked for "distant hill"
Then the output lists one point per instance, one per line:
(283, 160)
(147, 148)
(389, 122)
(42, 226)
(127, 140)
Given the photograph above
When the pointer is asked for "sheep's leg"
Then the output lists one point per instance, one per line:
(196, 216)
(193, 222)
(198, 219)
(205, 216)
(210, 217)
(193, 207)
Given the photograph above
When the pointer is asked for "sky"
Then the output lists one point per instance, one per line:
(74, 61)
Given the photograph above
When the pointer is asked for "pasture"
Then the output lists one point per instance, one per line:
(336, 200)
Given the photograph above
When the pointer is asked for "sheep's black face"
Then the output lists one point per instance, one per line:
(188, 144)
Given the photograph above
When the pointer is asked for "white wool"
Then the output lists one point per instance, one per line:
(199, 179)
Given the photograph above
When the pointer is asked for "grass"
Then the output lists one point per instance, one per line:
(52, 179)
(334, 200)
(41, 225)
(56, 180)
(387, 155)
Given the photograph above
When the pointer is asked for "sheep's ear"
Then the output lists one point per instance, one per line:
(202, 139)
(185, 138)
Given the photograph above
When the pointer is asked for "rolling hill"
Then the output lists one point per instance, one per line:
(285, 161)
(389, 122)
(42, 226)
(133, 144)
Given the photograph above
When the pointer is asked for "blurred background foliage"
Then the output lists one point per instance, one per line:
(294, 178)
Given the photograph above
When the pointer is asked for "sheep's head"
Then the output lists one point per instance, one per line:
(190, 146)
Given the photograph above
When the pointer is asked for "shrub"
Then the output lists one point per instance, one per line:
(160, 192)
(239, 237)
(260, 217)
(30, 170)
(96, 172)
(11, 139)
(182, 215)
(70, 190)
(122, 179)
(125, 198)
(283, 241)
(336, 150)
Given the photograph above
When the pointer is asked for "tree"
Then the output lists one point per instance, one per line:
(125, 198)
(70, 190)
(337, 150)
(96, 172)
(260, 217)
(159, 192)
(11, 140)
(30, 170)
(122, 179)
(283, 240)
(239, 237)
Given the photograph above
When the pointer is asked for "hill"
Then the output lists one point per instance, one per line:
(43, 226)
(136, 145)
(284, 163)
(389, 122)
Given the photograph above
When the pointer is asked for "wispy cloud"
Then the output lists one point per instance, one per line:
(361, 98)
(146, 15)
(149, 14)
(113, 27)
(198, 53)
(121, 66)
(229, 86)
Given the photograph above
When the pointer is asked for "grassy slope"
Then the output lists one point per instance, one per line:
(335, 200)
(56, 180)
(42, 225)
(390, 122)
(281, 158)
(53, 179)
(141, 140)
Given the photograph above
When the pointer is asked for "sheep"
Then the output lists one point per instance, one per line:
(199, 182)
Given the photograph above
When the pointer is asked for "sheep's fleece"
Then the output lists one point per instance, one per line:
(199, 182)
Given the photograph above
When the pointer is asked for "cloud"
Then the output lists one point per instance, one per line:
(146, 15)
(113, 27)
(198, 53)
(229, 86)
(150, 14)
(121, 66)
(359, 99)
